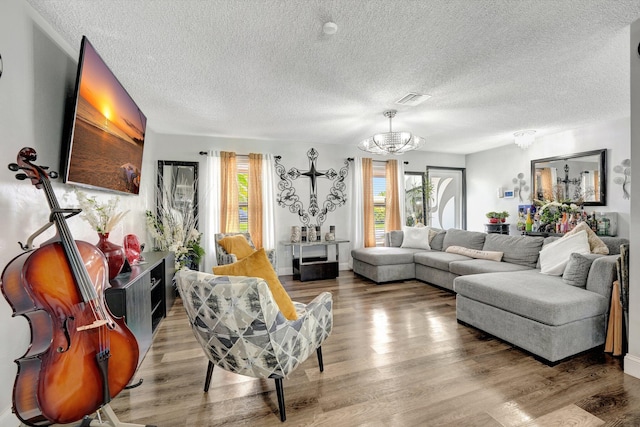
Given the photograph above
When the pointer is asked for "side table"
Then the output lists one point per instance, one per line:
(498, 228)
(316, 267)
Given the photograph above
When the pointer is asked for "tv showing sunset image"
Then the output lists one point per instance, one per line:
(107, 139)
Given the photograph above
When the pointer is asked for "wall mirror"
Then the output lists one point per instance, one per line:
(178, 189)
(578, 178)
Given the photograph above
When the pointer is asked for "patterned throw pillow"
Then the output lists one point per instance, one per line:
(474, 253)
(257, 265)
(236, 245)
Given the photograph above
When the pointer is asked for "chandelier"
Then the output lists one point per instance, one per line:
(524, 138)
(391, 142)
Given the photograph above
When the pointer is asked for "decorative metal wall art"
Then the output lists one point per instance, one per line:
(623, 168)
(520, 185)
(287, 196)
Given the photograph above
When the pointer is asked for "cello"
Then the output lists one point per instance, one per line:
(80, 355)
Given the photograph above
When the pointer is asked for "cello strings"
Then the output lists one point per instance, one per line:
(87, 290)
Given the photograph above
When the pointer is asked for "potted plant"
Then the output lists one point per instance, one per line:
(494, 217)
(503, 216)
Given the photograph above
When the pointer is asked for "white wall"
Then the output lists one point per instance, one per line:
(294, 154)
(488, 170)
(632, 359)
(38, 77)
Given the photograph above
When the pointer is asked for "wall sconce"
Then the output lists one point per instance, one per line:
(0, 65)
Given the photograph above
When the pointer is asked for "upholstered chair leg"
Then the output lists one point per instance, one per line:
(319, 353)
(207, 380)
(280, 393)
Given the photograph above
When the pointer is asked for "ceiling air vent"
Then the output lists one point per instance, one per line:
(412, 99)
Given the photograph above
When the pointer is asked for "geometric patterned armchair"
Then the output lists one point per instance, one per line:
(225, 258)
(241, 329)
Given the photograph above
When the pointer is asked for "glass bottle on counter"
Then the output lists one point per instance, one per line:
(528, 224)
(593, 222)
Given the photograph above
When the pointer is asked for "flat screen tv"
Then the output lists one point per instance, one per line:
(107, 129)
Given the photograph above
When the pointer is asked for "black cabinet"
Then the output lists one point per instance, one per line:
(321, 267)
(144, 296)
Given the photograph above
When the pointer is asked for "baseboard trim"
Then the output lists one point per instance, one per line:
(632, 365)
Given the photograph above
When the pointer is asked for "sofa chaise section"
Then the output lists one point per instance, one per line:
(537, 312)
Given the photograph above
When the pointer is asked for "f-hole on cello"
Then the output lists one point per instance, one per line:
(80, 355)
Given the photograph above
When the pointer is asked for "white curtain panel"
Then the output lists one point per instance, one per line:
(357, 209)
(210, 213)
(268, 202)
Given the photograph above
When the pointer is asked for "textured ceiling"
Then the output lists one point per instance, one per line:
(264, 69)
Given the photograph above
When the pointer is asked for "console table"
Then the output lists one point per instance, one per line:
(316, 267)
(143, 296)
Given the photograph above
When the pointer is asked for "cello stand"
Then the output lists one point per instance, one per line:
(107, 419)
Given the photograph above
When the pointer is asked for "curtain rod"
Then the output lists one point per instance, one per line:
(206, 153)
(349, 159)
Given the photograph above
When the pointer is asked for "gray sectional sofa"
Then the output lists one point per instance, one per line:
(510, 299)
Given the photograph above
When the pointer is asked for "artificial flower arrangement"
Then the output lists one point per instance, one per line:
(102, 216)
(551, 211)
(175, 235)
(174, 228)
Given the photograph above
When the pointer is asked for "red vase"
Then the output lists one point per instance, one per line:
(113, 253)
(132, 248)
(493, 220)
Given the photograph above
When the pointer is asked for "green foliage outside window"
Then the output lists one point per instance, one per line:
(243, 198)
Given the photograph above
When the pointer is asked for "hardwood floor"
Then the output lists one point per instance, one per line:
(396, 357)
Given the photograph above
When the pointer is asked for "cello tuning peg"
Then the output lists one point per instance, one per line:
(22, 176)
(53, 175)
(14, 167)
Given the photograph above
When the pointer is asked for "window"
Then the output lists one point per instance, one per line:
(416, 193)
(379, 200)
(242, 166)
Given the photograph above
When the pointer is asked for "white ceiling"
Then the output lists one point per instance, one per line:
(263, 68)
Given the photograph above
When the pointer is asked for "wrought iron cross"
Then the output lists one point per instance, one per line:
(287, 196)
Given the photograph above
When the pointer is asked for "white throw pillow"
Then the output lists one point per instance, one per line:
(555, 256)
(416, 237)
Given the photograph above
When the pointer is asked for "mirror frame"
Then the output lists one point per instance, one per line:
(603, 173)
(174, 163)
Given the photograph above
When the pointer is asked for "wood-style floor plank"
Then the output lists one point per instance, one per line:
(396, 357)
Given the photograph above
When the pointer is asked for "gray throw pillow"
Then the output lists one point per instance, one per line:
(438, 240)
(395, 238)
(577, 270)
